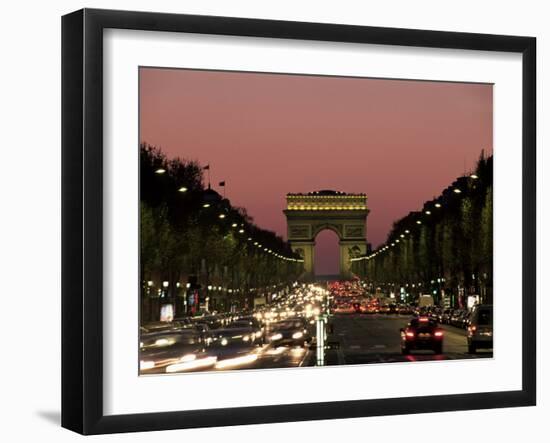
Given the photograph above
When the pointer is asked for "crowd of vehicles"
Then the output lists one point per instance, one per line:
(425, 330)
(226, 340)
(478, 322)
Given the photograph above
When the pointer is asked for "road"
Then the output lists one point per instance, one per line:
(356, 339)
(374, 338)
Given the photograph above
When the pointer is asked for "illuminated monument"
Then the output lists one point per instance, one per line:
(345, 214)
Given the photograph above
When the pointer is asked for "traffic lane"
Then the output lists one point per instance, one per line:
(282, 357)
(375, 338)
(367, 332)
(231, 358)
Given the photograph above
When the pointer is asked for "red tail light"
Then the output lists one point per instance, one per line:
(438, 333)
(423, 319)
(409, 334)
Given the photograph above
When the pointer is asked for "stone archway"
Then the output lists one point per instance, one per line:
(345, 214)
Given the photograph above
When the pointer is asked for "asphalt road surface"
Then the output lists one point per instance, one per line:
(375, 338)
(355, 339)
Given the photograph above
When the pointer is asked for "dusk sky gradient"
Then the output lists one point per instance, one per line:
(400, 142)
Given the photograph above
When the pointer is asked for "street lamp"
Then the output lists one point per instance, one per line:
(221, 216)
(160, 171)
(457, 191)
(438, 205)
(206, 205)
(183, 189)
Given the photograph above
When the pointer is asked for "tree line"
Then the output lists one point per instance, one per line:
(192, 240)
(444, 249)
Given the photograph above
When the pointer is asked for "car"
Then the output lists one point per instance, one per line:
(159, 348)
(372, 309)
(466, 320)
(292, 331)
(158, 327)
(480, 329)
(435, 313)
(254, 324)
(182, 322)
(344, 308)
(213, 321)
(457, 318)
(205, 332)
(445, 316)
(238, 333)
(421, 333)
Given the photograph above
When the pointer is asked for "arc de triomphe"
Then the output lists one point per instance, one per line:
(345, 214)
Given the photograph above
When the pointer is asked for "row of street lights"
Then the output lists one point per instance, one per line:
(402, 236)
(241, 229)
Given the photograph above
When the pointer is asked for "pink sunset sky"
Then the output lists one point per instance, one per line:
(399, 141)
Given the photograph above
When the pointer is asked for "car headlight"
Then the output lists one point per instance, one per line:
(258, 334)
(276, 337)
(146, 364)
(223, 341)
(297, 335)
(246, 338)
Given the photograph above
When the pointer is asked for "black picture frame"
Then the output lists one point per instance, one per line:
(82, 219)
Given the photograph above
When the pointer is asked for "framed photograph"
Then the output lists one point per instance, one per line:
(269, 221)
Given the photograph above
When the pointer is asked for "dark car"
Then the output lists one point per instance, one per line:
(182, 322)
(238, 333)
(457, 318)
(254, 324)
(435, 314)
(208, 335)
(292, 331)
(213, 321)
(466, 320)
(480, 329)
(421, 333)
(445, 316)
